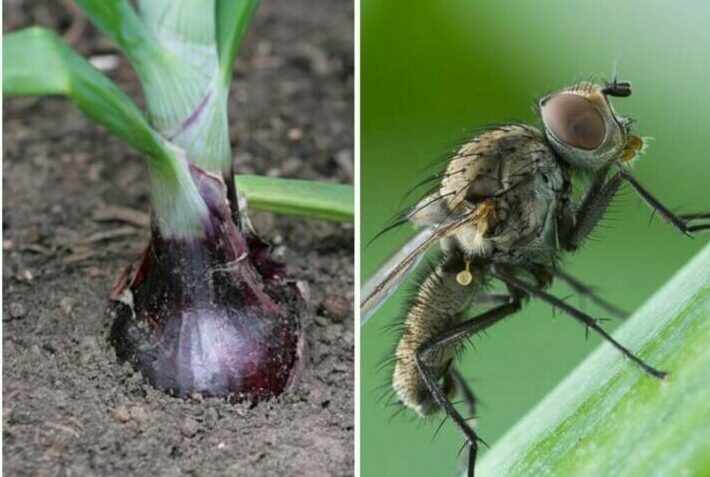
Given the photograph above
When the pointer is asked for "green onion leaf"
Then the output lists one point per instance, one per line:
(37, 62)
(317, 200)
(233, 18)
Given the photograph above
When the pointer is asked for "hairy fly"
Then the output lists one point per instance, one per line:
(506, 209)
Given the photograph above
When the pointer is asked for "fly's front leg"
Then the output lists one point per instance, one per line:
(598, 198)
(450, 339)
(684, 223)
(592, 209)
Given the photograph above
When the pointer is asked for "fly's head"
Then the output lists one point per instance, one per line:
(582, 126)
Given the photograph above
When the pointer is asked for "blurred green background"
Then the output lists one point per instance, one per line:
(432, 70)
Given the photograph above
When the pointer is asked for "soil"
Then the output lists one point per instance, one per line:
(69, 408)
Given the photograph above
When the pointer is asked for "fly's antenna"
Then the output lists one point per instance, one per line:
(620, 89)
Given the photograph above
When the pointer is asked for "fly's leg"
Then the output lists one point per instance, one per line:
(587, 292)
(682, 223)
(591, 210)
(449, 339)
(585, 319)
(464, 390)
(700, 221)
(704, 215)
(469, 399)
(600, 195)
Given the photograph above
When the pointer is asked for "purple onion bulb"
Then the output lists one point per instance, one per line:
(212, 315)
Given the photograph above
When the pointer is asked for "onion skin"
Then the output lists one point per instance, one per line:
(213, 315)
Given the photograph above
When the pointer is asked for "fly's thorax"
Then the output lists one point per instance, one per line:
(439, 304)
(528, 216)
(510, 181)
(489, 163)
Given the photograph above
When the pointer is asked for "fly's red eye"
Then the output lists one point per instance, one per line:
(574, 120)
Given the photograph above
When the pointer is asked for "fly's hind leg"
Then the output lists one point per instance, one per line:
(449, 339)
(463, 390)
(459, 382)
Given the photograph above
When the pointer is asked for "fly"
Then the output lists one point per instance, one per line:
(504, 210)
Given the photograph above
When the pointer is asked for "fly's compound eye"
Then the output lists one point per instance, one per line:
(574, 121)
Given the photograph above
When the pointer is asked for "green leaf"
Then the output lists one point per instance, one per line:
(233, 18)
(186, 100)
(37, 62)
(608, 417)
(318, 200)
(172, 85)
(119, 21)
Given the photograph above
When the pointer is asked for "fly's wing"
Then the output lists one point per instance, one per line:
(389, 277)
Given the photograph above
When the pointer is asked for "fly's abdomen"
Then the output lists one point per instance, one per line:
(439, 304)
